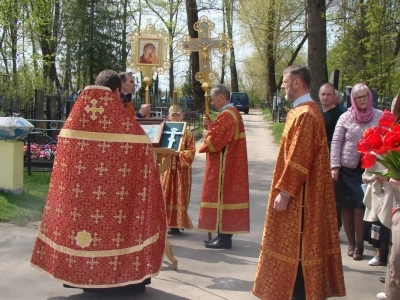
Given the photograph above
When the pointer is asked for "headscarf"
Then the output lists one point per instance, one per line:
(359, 116)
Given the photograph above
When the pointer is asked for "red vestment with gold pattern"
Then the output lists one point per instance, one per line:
(177, 185)
(309, 236)
(104, 221)
(225, 197)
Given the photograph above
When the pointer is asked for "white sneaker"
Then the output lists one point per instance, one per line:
(381, 296)
(375, 262)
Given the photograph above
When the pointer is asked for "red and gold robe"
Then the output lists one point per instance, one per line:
(302, 171)
(177, 185)
(225, 198)
(104, 222)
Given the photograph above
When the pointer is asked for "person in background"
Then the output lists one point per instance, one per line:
(390, 217)
(224, 204)
(128, 88)
(331, 111)
(337, 101)
(177, 180)
(346, 170)
(300, 251)
(104, 224)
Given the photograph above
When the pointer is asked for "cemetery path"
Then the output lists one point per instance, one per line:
(202, 273)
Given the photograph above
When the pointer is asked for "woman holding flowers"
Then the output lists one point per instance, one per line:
(382, 144)
(346, 169)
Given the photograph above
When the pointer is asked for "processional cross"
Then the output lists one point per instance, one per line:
(204, 44)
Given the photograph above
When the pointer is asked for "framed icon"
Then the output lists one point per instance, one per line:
(153, 129)
(149, 51)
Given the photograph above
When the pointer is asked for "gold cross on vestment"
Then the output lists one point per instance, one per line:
(97, 216)
(120, 216)
(122, 193)
(115, 263)
(124, 170)
(118, 239)
(92, 263)
(99, 193)
(75, 215)
(101, 169)
(94, 109)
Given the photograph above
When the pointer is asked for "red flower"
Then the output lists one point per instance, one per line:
(374, 139)
(368, 160)
(392, 140)
(387, 119)
(363, 146)
(382, 150)
(396, 128)
(381, 130)
(367, 132)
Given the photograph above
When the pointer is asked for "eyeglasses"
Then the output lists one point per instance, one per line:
(363, 97)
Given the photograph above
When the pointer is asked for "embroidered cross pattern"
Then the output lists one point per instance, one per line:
(94, 110)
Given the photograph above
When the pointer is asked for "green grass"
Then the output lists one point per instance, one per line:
(276, 128)
(27, 207)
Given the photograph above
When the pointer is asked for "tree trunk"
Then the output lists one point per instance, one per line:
(316, 30)
(232, 64)
(124, 51)
(198, 92)
(271, 78)
(171, 71)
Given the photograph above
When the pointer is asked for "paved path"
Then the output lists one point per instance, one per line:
(203, 273)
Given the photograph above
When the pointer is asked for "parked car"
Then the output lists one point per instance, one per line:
(241, 101)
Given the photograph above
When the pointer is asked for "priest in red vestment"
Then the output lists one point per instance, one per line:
(177, 180)
(104, 222)
(224, 204)
(300, 253)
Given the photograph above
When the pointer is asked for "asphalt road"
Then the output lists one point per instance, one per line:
(202, 273)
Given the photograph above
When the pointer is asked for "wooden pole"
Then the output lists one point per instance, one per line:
(207, 87)
(148, 81)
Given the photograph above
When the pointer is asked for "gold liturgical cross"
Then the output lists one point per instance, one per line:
(204, 44)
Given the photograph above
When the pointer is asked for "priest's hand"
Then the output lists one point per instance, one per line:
(281, 202)
(145, 110)
(206, 121)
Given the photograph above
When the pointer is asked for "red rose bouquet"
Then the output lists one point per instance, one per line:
(382, 144)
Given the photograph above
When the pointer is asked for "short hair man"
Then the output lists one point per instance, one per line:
(102, 215)
(128, 88)
(332, 110)
(224, 204)
(300, 243)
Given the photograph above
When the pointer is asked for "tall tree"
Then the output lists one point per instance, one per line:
(316, 30)
(229, 8)
(45, 17)
(167, 12)
(198, 92)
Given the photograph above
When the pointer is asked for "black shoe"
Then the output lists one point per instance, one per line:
(218, 244)
(382, 279)
(174, 231)
(213, 240)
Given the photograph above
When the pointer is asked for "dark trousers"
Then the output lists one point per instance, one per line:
(226, 238)
(339, 217)
(299, 292)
